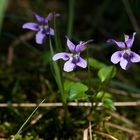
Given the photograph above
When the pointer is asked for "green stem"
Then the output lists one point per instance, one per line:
(97, 102)
(89, 81)
(57, 40)
(70, 17)
(88, 66)
(59, 81)
(56, 36)
(57, 74)
(100, 87)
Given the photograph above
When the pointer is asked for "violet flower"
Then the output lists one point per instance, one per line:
(41, 27)
(72, 59)
(125, 56)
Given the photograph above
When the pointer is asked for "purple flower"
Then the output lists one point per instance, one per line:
(41, 27)
(125, 56)
(72, 59)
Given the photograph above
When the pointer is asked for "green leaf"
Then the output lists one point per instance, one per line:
(95, 63)
(109, 104)
(75, 90)
(103, 95)
(106, 73)
(67, 86)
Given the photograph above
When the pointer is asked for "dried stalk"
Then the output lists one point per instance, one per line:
(16, 42)
(130, 131)
(122, 118)
(105, 135)
(76, 104)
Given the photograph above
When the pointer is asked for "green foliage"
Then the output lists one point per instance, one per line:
(106, 73)
(109, 104)
(103, 95)
(95, 63)
(75, 91)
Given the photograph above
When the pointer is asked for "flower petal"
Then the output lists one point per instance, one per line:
(119, 44)
(70, 45)
(126, 37)
(89, 41)
(62, 55)
(81, 45)
(79, 48)
(40, 37)
(69, 66)
(116, 57)
(82, 63)
(39, 18)
(31, 26)
(124, 64)
(52, 15)
(129, 42)
(50, 31)
(134, 57)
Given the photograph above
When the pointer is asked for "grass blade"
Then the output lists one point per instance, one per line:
(20, 130)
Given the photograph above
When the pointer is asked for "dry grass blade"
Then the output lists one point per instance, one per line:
(90, 130)
(122, 118)
(130, 131)
(36, 119)
(105, 135)
(85, 134)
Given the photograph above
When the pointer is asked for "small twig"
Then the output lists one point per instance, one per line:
(20, 39)
(36, 119)
(76, 104)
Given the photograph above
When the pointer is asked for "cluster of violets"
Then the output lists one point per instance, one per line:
(73, 59)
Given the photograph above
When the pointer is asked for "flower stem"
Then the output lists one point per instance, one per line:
(88, 66)
(59, 81)
(56, 36)
(89, 80)
(57, 74)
